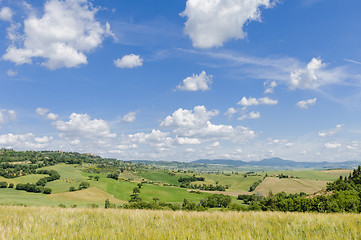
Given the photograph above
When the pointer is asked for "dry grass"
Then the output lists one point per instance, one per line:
(56, 223)
(91, 194)
(289, 185)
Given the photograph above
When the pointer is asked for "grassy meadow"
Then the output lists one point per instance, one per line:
(56, 223)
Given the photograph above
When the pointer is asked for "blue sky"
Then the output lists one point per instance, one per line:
(182, 80)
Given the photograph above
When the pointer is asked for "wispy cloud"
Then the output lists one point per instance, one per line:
(352, 61)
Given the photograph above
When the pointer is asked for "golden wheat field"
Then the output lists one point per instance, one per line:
(58, 223)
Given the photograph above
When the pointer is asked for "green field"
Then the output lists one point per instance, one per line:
(236, 183)
(162, 177)
(56, 223)
(106, 188)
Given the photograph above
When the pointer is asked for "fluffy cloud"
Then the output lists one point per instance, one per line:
(126, 147)
(196, 82)
(231, 111)
(332, 145)
(196, 124)
(183, 118)
(7, 116)
(314, 75)
(129, 61)
(251, 115)
(62, 36)
(41, 111)
(129, 117)
(185, 140)
(267, 101)
(254, 101)
(44, 139)
(156, 138)
(248, 102)
(11, 73)
(306, 103)
(271, 86)
(6, 14)
(45, 112)
(331, 132)
(24, 141)
(52, 116)
(210, 23)
(82, 126)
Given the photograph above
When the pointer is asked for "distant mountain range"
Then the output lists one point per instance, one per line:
(276, 163)
(279, 162)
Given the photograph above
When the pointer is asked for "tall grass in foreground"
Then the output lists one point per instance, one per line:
(57, 223)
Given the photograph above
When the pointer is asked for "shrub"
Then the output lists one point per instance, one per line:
(84, 185)
(47, 191)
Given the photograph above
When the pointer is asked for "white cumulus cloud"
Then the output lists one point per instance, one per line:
(126, 147)
(82, 126)
(210, 23)
(24, 141)
(6, 14)
(314, 75)
(156, 138)
(251, 115)
(197, 124)
(254, 101)
(332, 145)
(270, 86)
(11, 73)
(183, 118)
(129, 117)
(231, 111)
(66, 31)
(306, 103)
(52, 116)
(7, 116)
(196, 82)
(186, 140)
(41, 111)
(129, 61)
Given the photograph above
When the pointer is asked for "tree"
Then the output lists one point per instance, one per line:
(96, 178)
(47, 191)
(72, 189)
(107, 203)
(135, 196)
(188, 205)
(136, 190)
(84, 185)
(3, 184)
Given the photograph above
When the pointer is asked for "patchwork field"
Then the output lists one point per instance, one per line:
(165, 186)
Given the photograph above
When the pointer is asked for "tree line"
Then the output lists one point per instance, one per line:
(343, 195)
